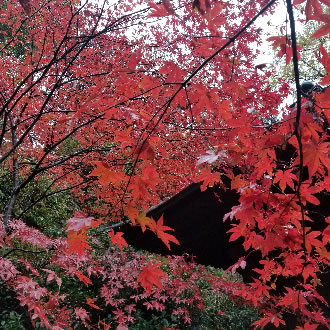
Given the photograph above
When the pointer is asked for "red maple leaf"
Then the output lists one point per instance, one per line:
(81, 314)
(146, 152)
(325, 60)
(312, 241)
(325, 28)
(208, 177)
(52, 276)
(268, 318)
(159, 229)
(116, 238)
(285, 179)
(91, 301)
(285, 47)
(82, 277)
(151, 275)
(107, 175)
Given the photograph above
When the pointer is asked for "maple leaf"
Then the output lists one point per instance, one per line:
(144, 221)
(312, 7)
(308, 326)
(159, 229)
(285, 47)
(309, 270)
(81, 314)
(77, 242)
(292, 299)
(107, 175)
(117, 239)
(82, 277)
(325, 60)
(285, 179)
(173, 72)
(209, 178)
(29, 235)
(91, 301)
(148, 178)
(215, 18)
(29, 287)
(238, 182)
(307, 193)
(52, 276)
(312, 241)
(146, 152)
(28, 266)
(268, 318)
(132, 213)
(314, 154)
(7, 270)
(151, 275)
(323, 30)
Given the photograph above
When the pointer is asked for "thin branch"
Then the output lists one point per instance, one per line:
(22, 250)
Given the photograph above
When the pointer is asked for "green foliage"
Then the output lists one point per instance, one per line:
(14, 40)
(309, 66)
(48, 214)
(155, 321)
(221, 312)
(12, 315)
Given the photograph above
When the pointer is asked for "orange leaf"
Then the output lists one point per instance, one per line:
(132, 213)
(77, 241)
(144, 221)
(117, 239)
(151, 275)
(107, 175)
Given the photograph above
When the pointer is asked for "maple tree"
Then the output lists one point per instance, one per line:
(103, 102)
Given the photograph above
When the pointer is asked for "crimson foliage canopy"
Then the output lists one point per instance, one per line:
(128, 102)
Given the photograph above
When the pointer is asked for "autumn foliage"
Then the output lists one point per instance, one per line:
(123, 104)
